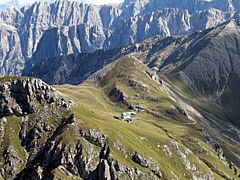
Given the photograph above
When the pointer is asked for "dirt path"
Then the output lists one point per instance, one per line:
(105, 107)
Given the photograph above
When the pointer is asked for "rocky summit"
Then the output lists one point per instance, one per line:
(144, 89)
(21, 96)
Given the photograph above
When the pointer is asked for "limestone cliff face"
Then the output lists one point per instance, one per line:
(190, 5)
(69, 40)
(12, 60)
(79, 27)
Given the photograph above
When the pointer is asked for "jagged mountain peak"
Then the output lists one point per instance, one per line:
(116, 26)
(233, 25)
(9, 4)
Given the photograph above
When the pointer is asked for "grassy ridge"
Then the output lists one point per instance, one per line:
(147, 134)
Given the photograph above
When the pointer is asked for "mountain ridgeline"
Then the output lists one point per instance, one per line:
(45, 30)
(206, 62)
(80, 132)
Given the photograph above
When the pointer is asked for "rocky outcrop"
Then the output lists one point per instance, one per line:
(138, 108)
(117, 95)
(26, 105)
(3, 122)
(83, 160)
(12, 161)
(138, 85)
(180, 111)
(110, 169)
(147, 163)
(21, 96)
(97, 138)
(50, 154)
(190, 5)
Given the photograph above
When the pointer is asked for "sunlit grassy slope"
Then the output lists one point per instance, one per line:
(158, 126)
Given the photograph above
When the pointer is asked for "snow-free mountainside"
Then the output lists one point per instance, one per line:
(147, 89)
(44, 30)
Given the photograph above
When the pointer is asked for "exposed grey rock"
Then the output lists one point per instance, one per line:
(121, 148)
(109, 168)
(141, 160)
(147, 163)
(12, 161)
(49, 154)
(66, 27)
(138, 85)
(87, 159)
(216, 147)
(117, 95)
(139, 108)
(175, 145)
(96, 137)
(104, 170)
(46, 128)
(181, 111)
(20, 96)
(3, 122)
(11, 58)
(167, 151)
(69, 40)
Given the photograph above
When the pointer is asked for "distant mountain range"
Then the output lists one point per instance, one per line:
(45, 30)
(4, 4)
